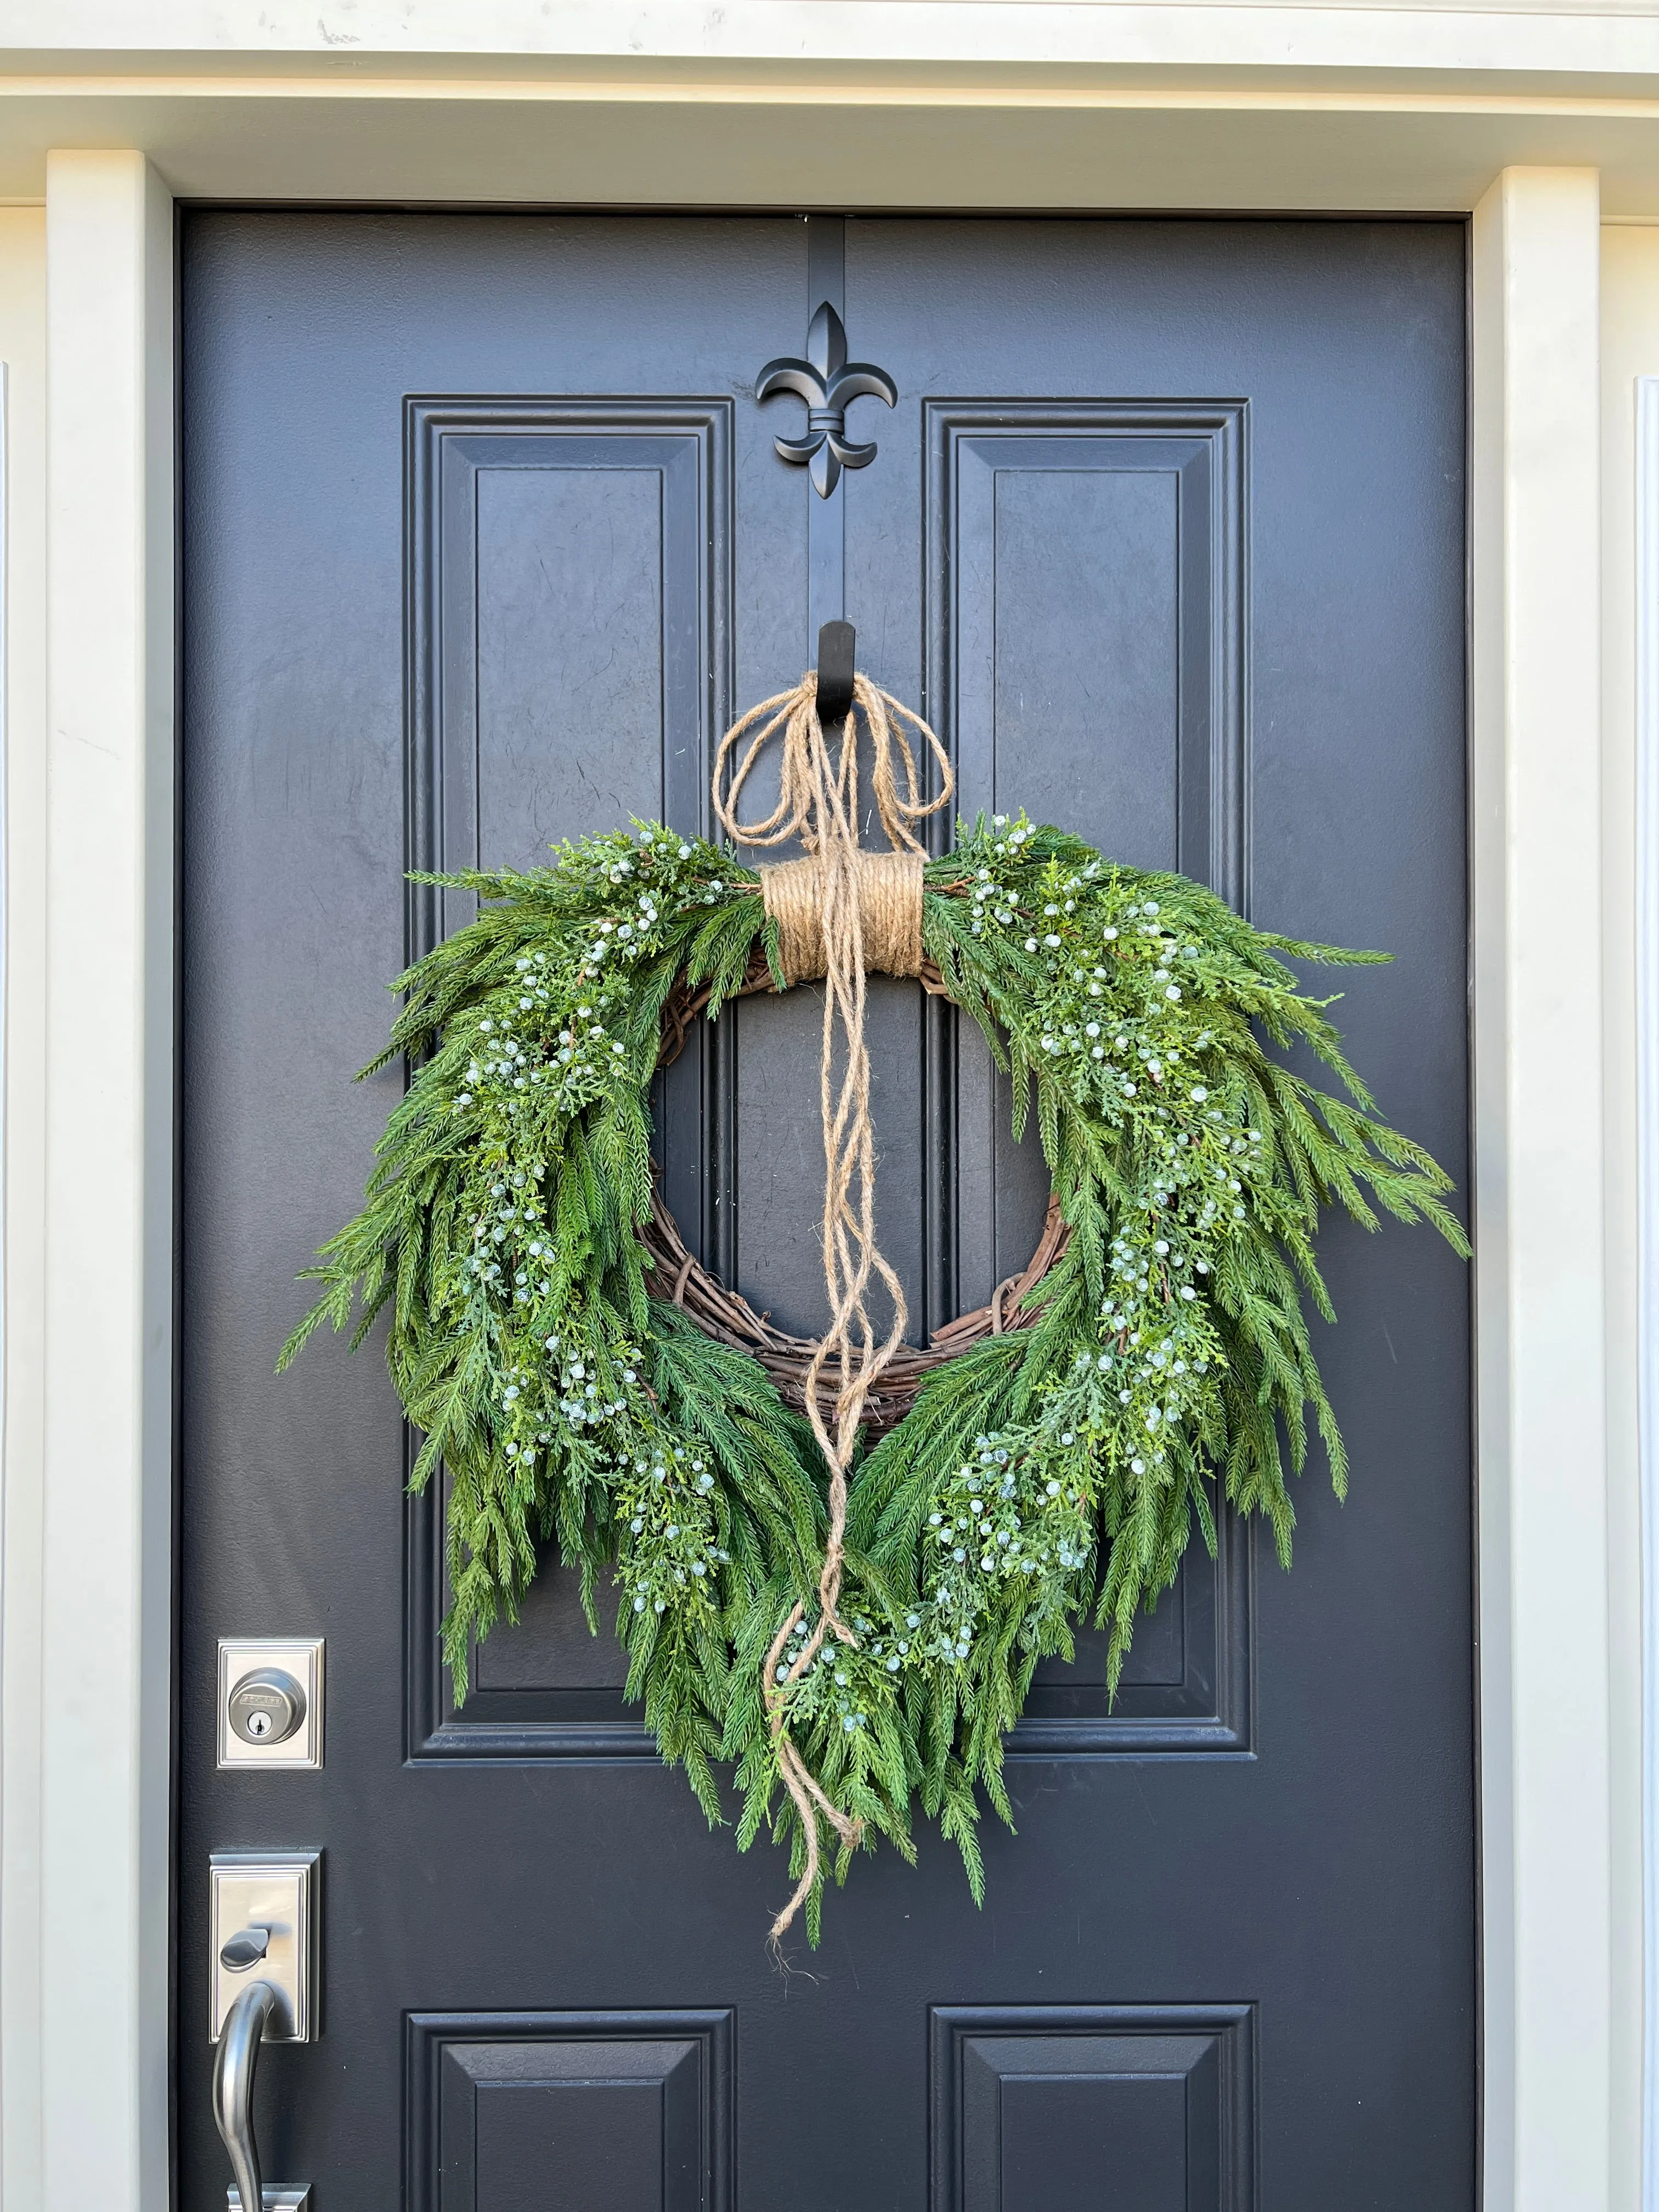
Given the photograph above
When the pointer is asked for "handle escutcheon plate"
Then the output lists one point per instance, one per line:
(276, 1893)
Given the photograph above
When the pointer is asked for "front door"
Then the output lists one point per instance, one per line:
(486, 540)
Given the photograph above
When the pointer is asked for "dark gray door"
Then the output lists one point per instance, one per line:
(485, 540)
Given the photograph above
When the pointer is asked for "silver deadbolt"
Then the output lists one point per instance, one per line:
(267, 1706)
(271, 1701)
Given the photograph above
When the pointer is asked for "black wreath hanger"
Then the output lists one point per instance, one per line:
(837, 645)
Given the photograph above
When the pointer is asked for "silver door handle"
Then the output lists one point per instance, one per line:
(262, 1923)
(233, 2100)
(233, 2087)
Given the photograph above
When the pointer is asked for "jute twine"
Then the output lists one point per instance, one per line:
(840, 912)
(888, 888)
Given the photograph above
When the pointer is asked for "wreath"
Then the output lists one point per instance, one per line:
(840, 1563)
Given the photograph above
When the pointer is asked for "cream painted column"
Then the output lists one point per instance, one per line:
(1630, 815)
(23, 347)
(1538, 1146)
(106, 1691)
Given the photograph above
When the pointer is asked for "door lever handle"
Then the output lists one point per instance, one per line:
(233, 2062)
(262, 1923)
(233, 2100)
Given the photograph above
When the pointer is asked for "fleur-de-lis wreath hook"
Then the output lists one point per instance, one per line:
(826, 380)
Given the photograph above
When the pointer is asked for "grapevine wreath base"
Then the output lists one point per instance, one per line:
(840, 1562)
(728, 1317)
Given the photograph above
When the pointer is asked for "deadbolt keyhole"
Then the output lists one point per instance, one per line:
(267, 1706)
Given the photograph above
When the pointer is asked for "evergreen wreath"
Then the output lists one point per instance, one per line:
(1042, 1463)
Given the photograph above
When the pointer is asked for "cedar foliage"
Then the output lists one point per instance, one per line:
(1051, 1474)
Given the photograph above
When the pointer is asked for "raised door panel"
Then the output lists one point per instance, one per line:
(1066, 2109)
(569, 567)
(607, 2112)
(1086, 565)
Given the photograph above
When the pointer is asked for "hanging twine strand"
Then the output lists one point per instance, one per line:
(841, 913)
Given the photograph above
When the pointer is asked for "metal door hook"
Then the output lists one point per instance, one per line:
(233, 2062)
(837, 647)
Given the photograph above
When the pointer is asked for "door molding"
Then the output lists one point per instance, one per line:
(101, 1834)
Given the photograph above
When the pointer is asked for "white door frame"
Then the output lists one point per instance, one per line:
(86, 1862)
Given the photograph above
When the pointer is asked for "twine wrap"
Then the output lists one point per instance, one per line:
(840, 912)
(888, 886)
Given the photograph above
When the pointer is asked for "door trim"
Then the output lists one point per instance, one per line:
(1540, 1318)
(101, 1839)
(1646, 594)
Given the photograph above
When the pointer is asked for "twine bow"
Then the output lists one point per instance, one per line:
(840, 912)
